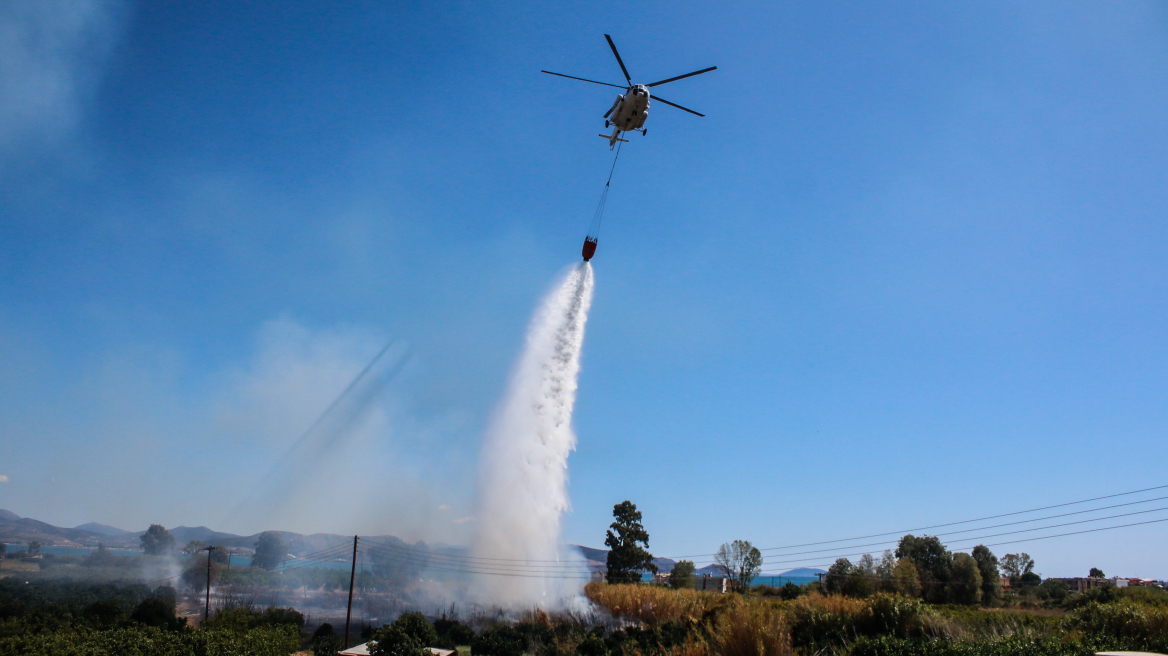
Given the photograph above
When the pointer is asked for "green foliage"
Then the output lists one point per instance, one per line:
(34, 547)
(626, 557)
(906, 581)
(837, 576)
(148, 641)
(245, 619)
(932, 561)
(991, 577)
(326, 641)
(819, 624)
(965, 580)
(682, 575)
(1009, 646)
(452, 633)
(1096, 573)
(1126, 625)
(409, 635)
(157, 612)
(270, 551)
(157, 541)
(499, 641)
(101, 558)
(1015, 565)
(1056, 591)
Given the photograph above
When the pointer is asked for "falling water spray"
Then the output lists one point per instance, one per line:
(523, 483)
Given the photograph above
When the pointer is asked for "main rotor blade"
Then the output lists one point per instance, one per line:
(674, 79)
(583, 80)
(676, 105)
(618, 59)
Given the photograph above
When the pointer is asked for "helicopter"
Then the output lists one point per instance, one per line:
(630, 110)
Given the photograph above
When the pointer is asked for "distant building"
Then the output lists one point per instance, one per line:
(1083, 584)
(712, 583)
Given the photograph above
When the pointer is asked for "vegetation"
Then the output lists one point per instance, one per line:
(626, 557)
(682, 575)
(739, 561)
(270, 551)
(83, 619)
(157, 541)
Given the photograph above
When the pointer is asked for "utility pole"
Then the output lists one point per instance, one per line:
(352, 579)
(207, 610)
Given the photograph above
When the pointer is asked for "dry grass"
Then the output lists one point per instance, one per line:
(752, 630)
(654, 606)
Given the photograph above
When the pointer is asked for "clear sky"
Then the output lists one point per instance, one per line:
(911, 267)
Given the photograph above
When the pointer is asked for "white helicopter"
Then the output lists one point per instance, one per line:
(631, 108)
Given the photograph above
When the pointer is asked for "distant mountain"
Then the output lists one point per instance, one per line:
(804, 571)
(102, 529)
(22, 530)
(598, 558)
(8, 515)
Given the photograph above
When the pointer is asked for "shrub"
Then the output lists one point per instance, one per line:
(146, 641)
(452, 633)
(752, 630)
(244, 619)
(1124, 625)
(499, 641)
(828, 622)
(409, 635)
(1011, 646)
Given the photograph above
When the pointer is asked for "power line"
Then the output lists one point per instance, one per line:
(966, 521)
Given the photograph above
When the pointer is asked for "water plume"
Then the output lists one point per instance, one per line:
(523, 482)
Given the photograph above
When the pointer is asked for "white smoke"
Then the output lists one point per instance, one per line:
(523, 482)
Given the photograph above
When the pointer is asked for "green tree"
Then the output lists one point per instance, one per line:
(193, 547)
(270, 551)
(34, 547)
(836, 579)
(156, 541)
(908, 582)
(933, 562)
(965, 584)
(409, 635)
(682, 575)
(991, 578)
(1015, 565)
(739, 561)
(326, 641)
(1096, 573)
(626, 557)
(194, 576)
(886, 579)
(1056, 591)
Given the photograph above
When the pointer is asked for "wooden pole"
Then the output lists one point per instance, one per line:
(207, 610)
(352, 579)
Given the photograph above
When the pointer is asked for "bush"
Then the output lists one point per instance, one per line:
(245, 619)
(499, 641)
(409, 635)
(452, 633)
(325, 641)
(1011, 646)
(1123, 625)
(829, 622)
(142, 641)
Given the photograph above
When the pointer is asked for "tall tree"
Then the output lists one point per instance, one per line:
(862, 579)
(908, 582)
(626, 557)
(965, 584)
(739, 561)
(886, 579)
(157, 541)
(991, 578)
(1016, 565)
(34, 547)
(1096, 573)
(682, 575)
(270, 551)
(933, 562)
(837, 576)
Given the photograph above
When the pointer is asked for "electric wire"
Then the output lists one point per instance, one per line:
(925, 528)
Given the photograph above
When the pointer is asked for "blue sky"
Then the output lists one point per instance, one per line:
(910, 268)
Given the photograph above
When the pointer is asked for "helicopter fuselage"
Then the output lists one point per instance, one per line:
(630, 109)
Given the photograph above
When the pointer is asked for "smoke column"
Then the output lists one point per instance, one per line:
(523, 482)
